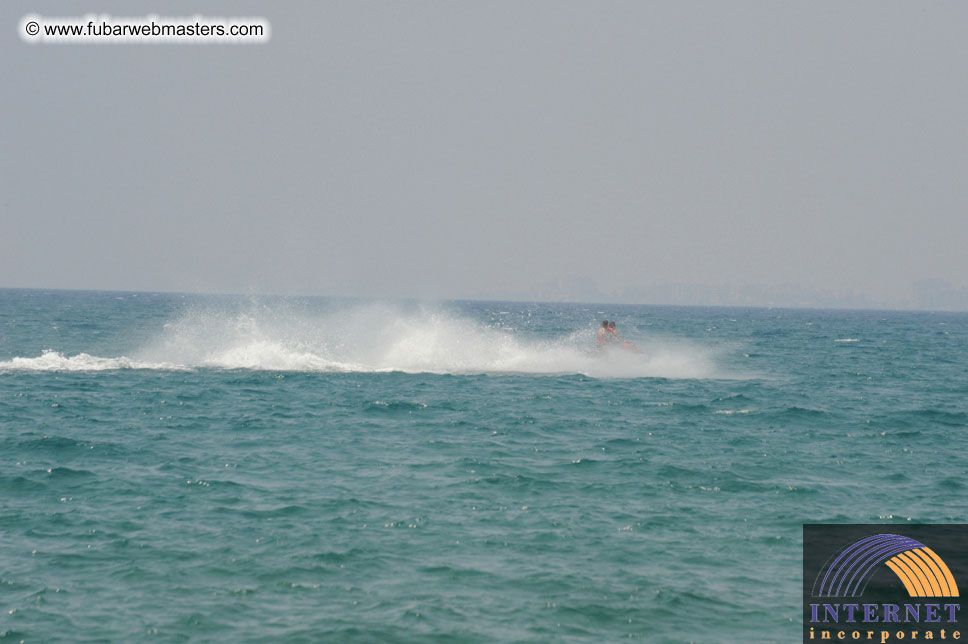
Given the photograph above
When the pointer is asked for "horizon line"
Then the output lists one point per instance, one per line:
(486, 300)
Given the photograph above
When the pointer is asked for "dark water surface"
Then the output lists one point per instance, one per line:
(189, 468)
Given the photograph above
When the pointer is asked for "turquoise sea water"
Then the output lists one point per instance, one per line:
(188, 468)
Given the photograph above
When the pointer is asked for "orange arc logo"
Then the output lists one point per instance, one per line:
(923, 573)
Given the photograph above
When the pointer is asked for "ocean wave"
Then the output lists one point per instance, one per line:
(378, 338)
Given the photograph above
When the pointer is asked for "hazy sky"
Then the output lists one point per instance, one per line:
(456, 148)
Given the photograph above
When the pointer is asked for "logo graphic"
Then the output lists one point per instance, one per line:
(868, 583)
(919, 568)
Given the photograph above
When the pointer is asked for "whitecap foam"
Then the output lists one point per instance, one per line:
(847, 340)
(56, 361)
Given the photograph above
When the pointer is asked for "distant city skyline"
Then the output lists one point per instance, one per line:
(927, 295)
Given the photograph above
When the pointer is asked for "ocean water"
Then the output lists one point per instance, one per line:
(232, 469)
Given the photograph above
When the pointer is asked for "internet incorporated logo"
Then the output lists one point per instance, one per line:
(907, 587)
(922, 572)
